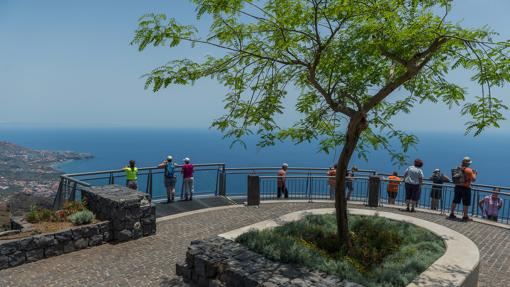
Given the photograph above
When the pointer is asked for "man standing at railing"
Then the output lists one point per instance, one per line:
(413, 178)
(462, 177)
(281, 182)
(187, 174)
(169, 178)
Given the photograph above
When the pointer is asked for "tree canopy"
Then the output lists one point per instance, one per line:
(341, 57)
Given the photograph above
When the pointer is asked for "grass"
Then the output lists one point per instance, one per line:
(385, 252)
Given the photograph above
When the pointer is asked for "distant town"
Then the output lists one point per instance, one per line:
(28, 176)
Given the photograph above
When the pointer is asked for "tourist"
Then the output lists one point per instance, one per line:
(131, 175)
(436, 192)
(491, 205)
(462, 177)
(413, 178)
(169, 178)
(349, 180)
(393, 185)
(332, 181)
(187, 174)
(281, 182)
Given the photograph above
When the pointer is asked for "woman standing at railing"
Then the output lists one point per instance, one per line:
(131, 175)
(187, 174)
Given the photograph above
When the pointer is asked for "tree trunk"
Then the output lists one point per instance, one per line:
(356, 125)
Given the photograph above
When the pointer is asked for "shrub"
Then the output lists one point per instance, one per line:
(32, 215)
(81, 217)
(71, 207)
(384, 253)
(36, 214)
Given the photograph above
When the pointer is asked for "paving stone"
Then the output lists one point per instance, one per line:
(151, 260)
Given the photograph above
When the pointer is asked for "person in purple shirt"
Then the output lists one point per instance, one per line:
(491, 205)
(187, 174)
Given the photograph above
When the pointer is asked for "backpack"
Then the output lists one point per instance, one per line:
(458, 175)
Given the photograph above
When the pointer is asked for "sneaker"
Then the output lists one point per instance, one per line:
(407, 209)
(412, 210)
(466, 219)
(452, 216)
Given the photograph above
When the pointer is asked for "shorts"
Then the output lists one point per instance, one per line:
(436, 193)
(170, 182)
(412, 191)
(132, 184)
(392, 194)
(462, 193)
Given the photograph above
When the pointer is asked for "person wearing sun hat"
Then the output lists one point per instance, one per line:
(169, 177)
(187, 174)
(436, 192)
(463, 180)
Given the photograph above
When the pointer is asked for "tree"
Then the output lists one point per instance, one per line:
(341, 59)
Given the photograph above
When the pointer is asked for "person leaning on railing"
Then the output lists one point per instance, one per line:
(436, 193)
(131, 175)
(169, 177)
(490, 205)
(187, 174)
(393, 185)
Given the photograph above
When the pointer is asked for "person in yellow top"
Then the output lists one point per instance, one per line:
(393, 184)
(131, 175)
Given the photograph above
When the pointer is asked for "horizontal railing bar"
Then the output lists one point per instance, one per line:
(75, 180)
(140, 169)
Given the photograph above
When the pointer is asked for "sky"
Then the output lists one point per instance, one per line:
(69, 63)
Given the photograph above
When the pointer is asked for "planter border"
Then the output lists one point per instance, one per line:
(459, 266)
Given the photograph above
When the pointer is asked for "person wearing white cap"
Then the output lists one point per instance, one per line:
(462, 177)
(169, 177)
(436, 192)
(281, 182)
(187, 174)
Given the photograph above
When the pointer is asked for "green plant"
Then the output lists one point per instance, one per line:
(81, 217)
(71, 207)
(384, 252)
(32, 215)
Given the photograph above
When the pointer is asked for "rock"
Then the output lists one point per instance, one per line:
(123, 235)
(96, 240)
(17, 258)
(54, 250)
(4, 262)
(34, 255)
(27, 244)
(81, 243)
(64, 236)
(69, 247)
(44, 241)
(8, 248)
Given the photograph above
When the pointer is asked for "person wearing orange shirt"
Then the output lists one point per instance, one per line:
(463, 190)
(281, 182)
(393, 185)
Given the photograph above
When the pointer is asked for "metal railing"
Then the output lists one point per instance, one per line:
(308, 183)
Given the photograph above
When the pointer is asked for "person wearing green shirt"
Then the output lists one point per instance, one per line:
(131, 175)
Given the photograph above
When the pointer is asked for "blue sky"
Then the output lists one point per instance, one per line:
(70, 63)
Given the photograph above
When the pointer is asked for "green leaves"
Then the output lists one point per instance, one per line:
(340, 59)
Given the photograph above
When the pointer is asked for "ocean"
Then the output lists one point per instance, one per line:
(114, 147)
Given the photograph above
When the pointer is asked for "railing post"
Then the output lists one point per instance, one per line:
(149, 183)
(310, 193)
(57, 202)
(72, 196)
(253, 190)
(474, 202)
(374, 183)
(111, 179)
(223, 182)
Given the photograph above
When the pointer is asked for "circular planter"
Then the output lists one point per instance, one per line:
(459, 266)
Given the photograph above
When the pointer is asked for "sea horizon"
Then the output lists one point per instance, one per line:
(113, 147)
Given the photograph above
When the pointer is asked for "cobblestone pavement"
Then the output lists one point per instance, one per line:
(150, 261)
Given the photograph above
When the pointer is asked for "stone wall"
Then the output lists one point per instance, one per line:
(130, 212)
(30, 249)
(217, 261)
